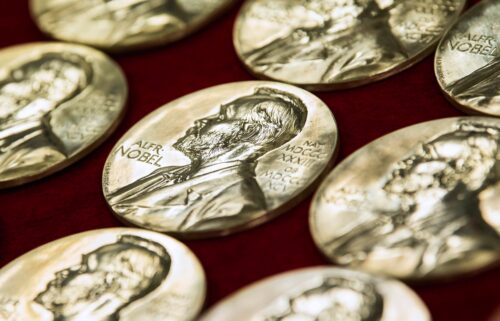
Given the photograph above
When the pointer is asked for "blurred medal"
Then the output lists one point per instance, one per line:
(420, 203)
(323, 294)
(110, 274)
(333, 44)
(467, 61)
(222, 159)
(117, 25)
(57, 102)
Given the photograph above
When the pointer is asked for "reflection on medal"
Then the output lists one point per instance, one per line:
(57, 102)
(321, 294)
(420, 203)
(117, 25)
(467, 61)
(331, 44)
(109, 274)
(221, 159)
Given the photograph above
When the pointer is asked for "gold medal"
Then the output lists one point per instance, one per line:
(419, 203)
(331, 44)
(321, 294)
(117, 25)
(221, 159)
(57, 102)
(109, 274)
(467, 61)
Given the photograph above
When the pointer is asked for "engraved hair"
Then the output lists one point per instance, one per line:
(472, 170)
(371, 309)
(138, 267)
(274, 120)
(152, 267)
(68, 75)
(56, 62)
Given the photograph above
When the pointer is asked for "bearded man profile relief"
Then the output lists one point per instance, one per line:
(106, 281)
(336, 299)
(353, 39)
(219, 183)
(28, 96)
(431, 213)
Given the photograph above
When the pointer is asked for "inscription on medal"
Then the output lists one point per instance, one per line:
(304, 155)
(477, 44)
(330, 43)
(143, 151)
(246, 159)
(279, 181)
(468, 59)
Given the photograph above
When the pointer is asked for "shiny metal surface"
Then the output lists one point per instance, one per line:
(117, 25)
(101, 275)
(331, 44)
(321, 294)
(467, 62)
(221, 159)
(420, 203)
(57, 102)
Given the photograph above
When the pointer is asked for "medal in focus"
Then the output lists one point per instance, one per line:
(332, 44)
(221, 159)
(57, 102)
(420, 203)
(467, 62)
(110, 274)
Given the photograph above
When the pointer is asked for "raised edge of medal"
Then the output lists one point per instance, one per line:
(145, 45)
(270, 215)
(86, 149)
(321, 87)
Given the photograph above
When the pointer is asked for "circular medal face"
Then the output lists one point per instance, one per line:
(117, 25)
(332, 44)
(110, 274)
(321, 294)
(57, 102)
(221, 159)
(467, 61)
(419, 203)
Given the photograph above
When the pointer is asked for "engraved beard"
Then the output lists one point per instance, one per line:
(72, 295)
(107, 280)
(209, 139)
(40, 93)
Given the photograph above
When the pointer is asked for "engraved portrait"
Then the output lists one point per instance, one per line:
(219, 183)
(468, 59)
(107, 280)
(339, 40)
(29, 93)
(427, 210)
(117, 21)
(335, 299)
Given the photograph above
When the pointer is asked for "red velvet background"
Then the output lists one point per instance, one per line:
(71, 201)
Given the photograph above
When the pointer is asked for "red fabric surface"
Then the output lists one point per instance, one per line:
(71, 201)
